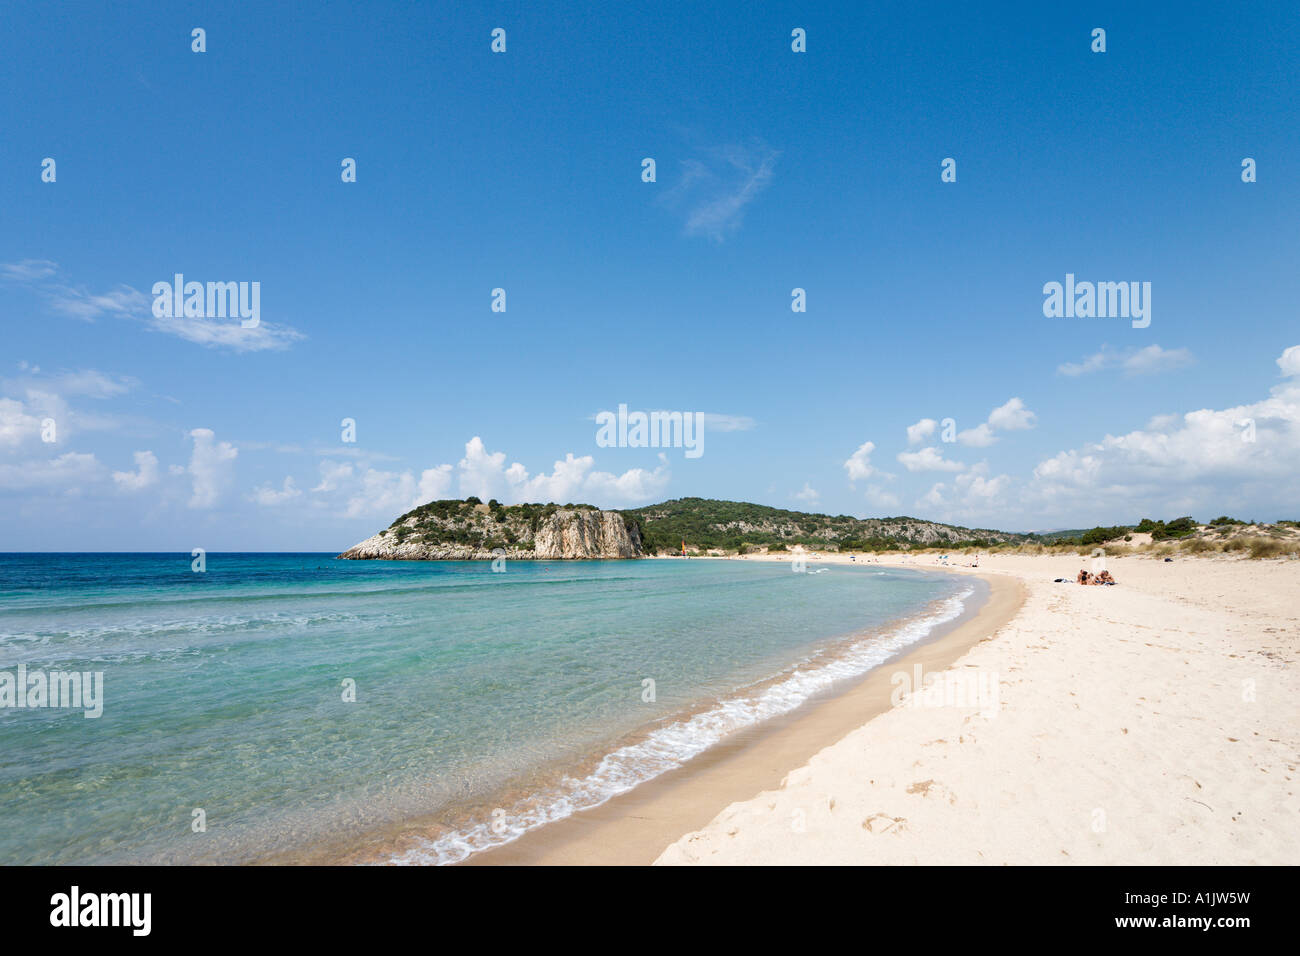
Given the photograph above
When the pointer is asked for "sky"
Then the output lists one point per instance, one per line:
(522, 170)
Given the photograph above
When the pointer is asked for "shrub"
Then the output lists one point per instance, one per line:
(1264, 548)
(1100, 535)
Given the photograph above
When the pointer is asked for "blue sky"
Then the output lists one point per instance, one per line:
(522, 171)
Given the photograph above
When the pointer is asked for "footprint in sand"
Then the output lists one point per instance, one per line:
(884, 823)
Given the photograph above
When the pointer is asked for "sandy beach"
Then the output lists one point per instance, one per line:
(1155, 722)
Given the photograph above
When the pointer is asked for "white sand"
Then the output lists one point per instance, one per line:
(1156, 722)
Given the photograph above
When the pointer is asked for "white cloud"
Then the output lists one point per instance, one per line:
(66, 473)
(1013, 416)
(387, 493)
(573, 480)
(435, 483)
(636, 486)
(22, 420)
(1289, 361)
(481, 472)
(858, 465)
(332, 475)
(267, 495)
(928, 459)
(981, 436)
(485, 475)
(1198, 459)
(146, 473)
(17, 423)
(921, 431)
(1155, 359)
(807, 494)
(970, 495)
(211, 467)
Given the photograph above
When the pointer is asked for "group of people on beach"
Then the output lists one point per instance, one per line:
(1102, 577)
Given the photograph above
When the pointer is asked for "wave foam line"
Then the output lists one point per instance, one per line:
(673, 745)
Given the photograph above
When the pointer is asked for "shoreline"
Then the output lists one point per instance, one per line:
(393, 842)
(1156, 722)
(634, 828)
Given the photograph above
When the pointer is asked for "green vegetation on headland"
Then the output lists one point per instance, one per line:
(708, 525)
(474, 524)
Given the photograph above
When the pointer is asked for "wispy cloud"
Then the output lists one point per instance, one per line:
(126, 302)
(87, 383)
(27, 270)
(268, 496)
(714, 190)
(727, 423)
(1144, 361)
(218, 333)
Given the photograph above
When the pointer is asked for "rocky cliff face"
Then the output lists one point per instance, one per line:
(479, 534)
(586, 534)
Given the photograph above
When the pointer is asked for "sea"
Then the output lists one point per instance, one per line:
(271, 706)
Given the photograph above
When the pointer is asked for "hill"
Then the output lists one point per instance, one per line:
(708, 523)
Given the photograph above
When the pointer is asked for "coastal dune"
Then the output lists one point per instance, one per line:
(1155, 722)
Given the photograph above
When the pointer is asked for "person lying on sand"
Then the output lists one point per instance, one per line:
(1084, 578)
(1104, 578)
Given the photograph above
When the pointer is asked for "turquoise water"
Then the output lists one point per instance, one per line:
(520, 692)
